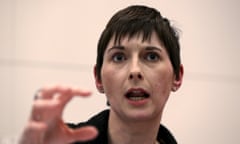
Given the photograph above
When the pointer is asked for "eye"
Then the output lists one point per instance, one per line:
(152, 56)
(118, 57)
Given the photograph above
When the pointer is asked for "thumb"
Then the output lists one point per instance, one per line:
(82, 134)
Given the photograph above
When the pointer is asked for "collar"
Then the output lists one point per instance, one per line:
(100, 121)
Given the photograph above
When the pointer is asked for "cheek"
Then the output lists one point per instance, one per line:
(163, 84)
(106, 75)
(161, 91)
(111, 79)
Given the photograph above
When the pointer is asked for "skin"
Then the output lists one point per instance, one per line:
(145, 66)
(45, 125)
(134, 64)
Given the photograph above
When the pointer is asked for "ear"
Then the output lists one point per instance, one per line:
(98, 81)
(177, 82)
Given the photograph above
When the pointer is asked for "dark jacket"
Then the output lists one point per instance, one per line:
(100, 121)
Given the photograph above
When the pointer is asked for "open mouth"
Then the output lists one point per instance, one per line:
(137, 94)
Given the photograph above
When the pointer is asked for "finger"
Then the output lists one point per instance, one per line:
(67, 95)
(82, 134)
(48, 109)
(54, 91)
(50, 92)
(33, 133)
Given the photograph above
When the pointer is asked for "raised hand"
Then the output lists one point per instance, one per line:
(46, 126)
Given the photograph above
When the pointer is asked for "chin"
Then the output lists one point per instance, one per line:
(141, 115)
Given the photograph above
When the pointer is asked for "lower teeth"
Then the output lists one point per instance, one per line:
(136, 98)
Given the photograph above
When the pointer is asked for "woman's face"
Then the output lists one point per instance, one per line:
(137, 77)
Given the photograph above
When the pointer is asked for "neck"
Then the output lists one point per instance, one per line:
(122, 132)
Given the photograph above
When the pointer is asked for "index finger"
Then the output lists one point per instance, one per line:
(53, 100)
(66, 94)
(49, 92)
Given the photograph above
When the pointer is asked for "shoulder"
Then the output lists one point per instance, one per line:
(165, 136)
(97, 120)
(100, 121)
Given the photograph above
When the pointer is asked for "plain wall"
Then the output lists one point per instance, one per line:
(46, 42)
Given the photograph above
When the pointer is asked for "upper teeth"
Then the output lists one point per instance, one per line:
(136, 95)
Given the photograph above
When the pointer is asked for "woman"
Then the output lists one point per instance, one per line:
(138, 66)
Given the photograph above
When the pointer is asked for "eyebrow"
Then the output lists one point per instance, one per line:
(149, 48)
(153, 48)
(116, 47)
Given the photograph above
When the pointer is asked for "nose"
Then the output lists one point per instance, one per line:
(137, 75)
(135, 71)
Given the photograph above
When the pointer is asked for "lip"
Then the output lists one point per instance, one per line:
(136, 89)
(139, 102)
